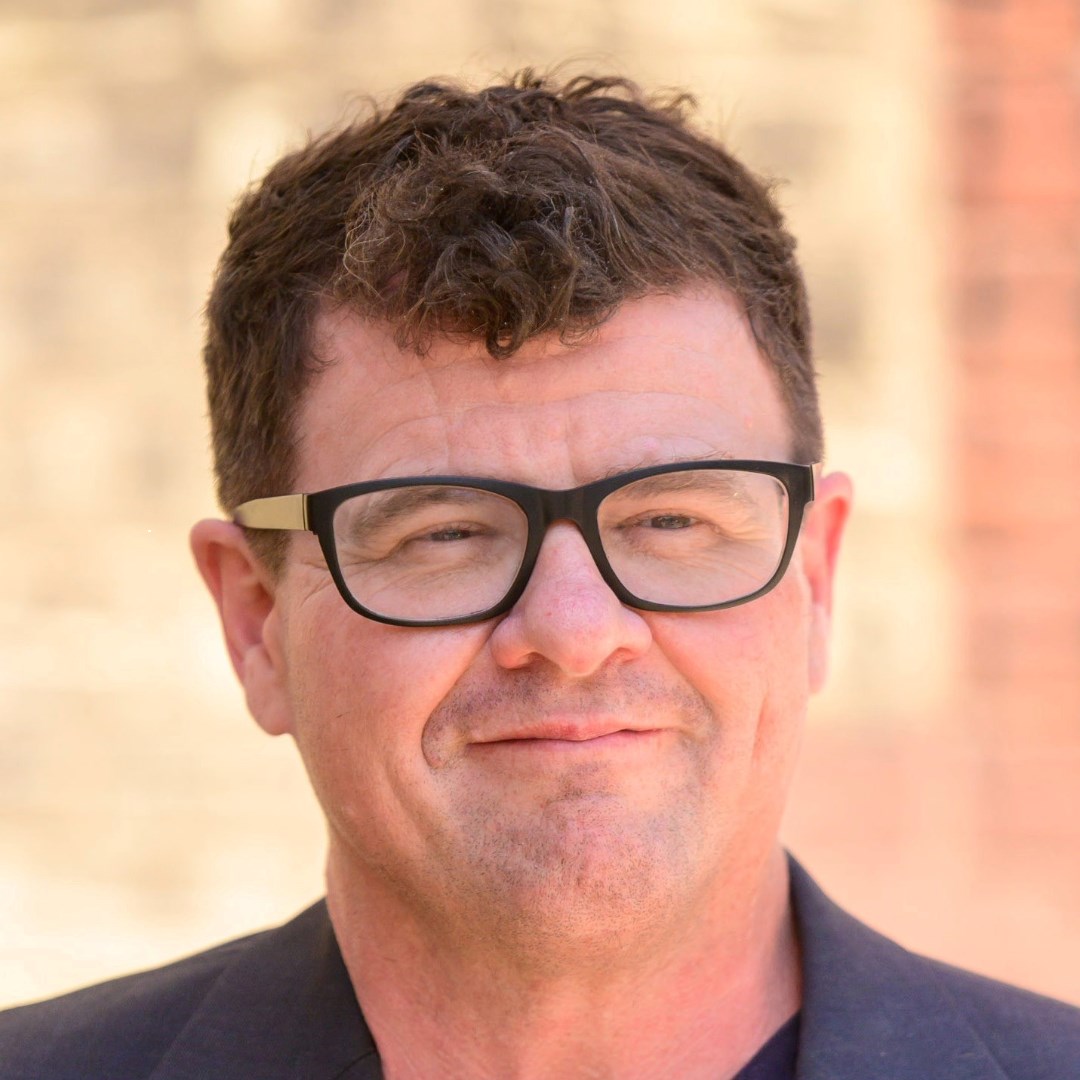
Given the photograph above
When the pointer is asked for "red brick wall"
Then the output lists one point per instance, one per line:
(1012, 151)
(966, 837)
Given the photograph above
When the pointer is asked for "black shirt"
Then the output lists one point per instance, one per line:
(776, 1059)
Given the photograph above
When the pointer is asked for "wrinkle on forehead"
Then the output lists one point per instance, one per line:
(667, 378)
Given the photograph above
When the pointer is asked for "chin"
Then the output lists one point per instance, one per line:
(580, 880)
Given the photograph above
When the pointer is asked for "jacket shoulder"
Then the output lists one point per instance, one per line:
(119, 1028)
(872, 1008)
(1029, 1035)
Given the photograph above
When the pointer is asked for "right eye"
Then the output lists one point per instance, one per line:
(664, 522)
(447, 533)
(415, 536)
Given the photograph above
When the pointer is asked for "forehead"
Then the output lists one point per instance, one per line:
(665, 378)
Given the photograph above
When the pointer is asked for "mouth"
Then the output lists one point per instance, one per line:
(571, 738)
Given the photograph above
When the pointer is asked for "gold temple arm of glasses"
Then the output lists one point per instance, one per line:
(276, 512)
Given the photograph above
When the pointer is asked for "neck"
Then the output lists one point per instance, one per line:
(695, 1001)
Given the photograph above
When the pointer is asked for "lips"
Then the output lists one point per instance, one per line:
(622, 713)
(575, 730)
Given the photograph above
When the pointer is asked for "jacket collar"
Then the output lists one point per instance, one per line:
(870, 1008)
(285, 1009)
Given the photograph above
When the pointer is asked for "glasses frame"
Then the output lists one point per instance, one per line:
(542, 507)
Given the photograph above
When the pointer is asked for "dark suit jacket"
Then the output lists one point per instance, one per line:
(279, 1006)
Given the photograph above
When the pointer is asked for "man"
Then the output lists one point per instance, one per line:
(543, 627)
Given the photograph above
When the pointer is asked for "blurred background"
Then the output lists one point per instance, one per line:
(930, 152)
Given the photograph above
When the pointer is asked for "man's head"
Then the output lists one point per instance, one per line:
(523, 209)
(543, 288)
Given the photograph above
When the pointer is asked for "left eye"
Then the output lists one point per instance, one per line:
(668, 521)
(452, 532)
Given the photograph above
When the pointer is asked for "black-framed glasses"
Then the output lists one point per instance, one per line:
(442, 550)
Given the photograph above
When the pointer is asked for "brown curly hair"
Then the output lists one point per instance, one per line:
(521, 209)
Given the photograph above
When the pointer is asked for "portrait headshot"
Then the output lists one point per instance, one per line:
(543, 541)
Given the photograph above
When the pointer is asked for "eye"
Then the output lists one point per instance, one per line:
(448, 533)
(669, 521)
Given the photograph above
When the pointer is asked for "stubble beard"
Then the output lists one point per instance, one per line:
(579, 868)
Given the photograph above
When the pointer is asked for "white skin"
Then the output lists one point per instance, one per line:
(553, 834)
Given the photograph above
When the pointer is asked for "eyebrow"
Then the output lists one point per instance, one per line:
(648, 463)
(398, 502)
(715, 480)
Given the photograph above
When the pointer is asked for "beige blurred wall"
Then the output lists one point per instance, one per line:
(142, 813)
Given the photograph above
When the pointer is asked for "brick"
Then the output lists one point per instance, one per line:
(1013, 149)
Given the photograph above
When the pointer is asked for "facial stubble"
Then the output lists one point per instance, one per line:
(583, 857)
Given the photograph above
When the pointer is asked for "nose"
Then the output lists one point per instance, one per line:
(568, 615)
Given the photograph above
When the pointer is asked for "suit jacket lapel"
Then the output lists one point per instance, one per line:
(870, 1008)
(283, 1010)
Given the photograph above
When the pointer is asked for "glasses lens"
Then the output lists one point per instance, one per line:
(429, 551)
(695, 538)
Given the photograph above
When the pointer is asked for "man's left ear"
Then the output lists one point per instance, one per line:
(822, 531)
(244, 591)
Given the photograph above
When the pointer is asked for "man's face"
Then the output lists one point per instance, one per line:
(574, 765)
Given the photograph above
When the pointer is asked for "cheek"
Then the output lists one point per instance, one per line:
(750, 663)
(362, 694)
(381, 674)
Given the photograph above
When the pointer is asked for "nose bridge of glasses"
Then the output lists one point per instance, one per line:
(571, 506)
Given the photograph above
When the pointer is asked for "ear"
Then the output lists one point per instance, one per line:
(822, 532)
(244, 592)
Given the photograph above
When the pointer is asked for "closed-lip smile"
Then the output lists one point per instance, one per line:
(568, 733)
